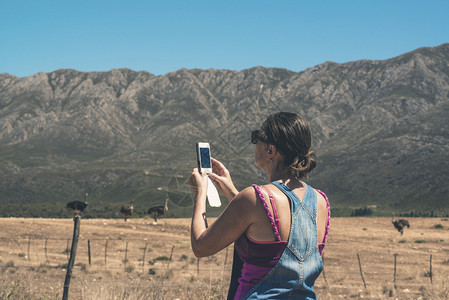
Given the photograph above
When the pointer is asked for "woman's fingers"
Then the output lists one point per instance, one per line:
(218, 165)
(219, 168)
(214, 177)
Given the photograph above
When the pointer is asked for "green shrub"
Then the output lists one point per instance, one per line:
(161, 258)
(364, 211)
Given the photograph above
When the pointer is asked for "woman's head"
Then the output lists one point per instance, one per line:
(292, 137)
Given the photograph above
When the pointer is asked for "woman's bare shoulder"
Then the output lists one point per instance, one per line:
(247, 195)
(321, 201)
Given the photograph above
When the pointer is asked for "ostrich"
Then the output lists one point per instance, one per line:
(77, 206)
(400, 224)
(127, 210)
(158, 210)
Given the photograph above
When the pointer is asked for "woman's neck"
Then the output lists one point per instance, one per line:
(280, 174)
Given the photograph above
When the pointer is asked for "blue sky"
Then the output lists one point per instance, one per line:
(164, 36)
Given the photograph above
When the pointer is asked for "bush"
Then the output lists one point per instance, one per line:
(183, 257)
(438, 226)
(161, 258)
(129, 269)
(364, 211)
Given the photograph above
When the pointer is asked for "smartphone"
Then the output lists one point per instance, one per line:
(203, 157)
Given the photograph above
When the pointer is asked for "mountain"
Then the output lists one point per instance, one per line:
(381, 133)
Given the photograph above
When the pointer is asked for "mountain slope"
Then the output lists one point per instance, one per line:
(380, 131)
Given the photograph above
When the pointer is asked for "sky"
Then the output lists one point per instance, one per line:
(165, 36)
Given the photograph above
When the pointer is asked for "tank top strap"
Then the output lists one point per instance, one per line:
(273, 205)
(265, 205)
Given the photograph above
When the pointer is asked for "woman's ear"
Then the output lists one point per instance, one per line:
(271, 151)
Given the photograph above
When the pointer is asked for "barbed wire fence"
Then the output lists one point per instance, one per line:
(120, 254)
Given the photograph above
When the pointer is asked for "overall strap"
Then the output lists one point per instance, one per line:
(295, 202)
(308, 201)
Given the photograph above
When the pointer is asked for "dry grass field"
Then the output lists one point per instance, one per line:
(132, 260)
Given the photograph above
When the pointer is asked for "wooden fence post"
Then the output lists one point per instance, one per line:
(143, 258)
(361, 273)
(171, 255)
(76, 233)
(29, 244)
(46, 257)
(394, 275)
(225, 261)
(430, 272)
(324, 274)
(105, 254)
(67, 248)
(168, 265)
(88, 251)
(126, 254)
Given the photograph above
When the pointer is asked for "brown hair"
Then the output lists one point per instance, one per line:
(291, 135)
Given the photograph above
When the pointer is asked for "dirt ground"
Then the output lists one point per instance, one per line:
(139, 260)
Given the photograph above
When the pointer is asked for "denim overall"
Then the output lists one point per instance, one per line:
(300, 264)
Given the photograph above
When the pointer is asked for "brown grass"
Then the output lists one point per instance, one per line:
(27, 271)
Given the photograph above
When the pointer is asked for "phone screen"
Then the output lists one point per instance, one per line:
(205, 158)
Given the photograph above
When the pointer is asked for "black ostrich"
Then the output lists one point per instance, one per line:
(400, 224)
(77, 206)
(127, 210)
(158, 210)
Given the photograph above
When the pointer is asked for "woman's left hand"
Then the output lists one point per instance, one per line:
(198, 183)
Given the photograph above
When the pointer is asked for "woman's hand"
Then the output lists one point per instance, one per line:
(198, 184)
(222, 179)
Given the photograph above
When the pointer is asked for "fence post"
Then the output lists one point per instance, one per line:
(29, 244)
(67, 248)
(46, 257)
(88, 251)
(143, 258)
(126, 254)
(76, 233)
(430, 273)
(105, 254)
(171, 255)
(394, 275)
(324, 274)
(225, 261)
(361, 273)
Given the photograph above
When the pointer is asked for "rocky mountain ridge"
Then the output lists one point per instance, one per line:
(380, 131)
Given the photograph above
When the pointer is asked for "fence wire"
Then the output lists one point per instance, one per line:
(51, 253)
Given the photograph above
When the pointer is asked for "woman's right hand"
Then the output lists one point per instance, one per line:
(221, 177)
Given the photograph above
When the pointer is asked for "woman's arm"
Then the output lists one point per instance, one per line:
(228, 227)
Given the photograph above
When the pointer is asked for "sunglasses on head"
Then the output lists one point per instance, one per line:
(255, 137)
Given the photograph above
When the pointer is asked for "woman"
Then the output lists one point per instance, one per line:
(279, 229)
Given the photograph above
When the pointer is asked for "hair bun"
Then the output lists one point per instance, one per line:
(303, 164)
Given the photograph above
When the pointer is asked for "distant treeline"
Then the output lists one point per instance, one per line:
(425, 214)
(111, 211)
(94, 210)
(369, 211)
